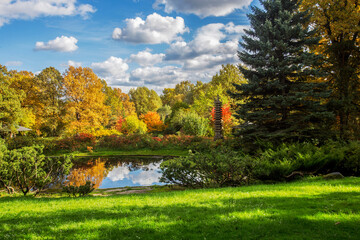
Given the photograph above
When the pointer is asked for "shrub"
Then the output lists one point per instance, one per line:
(190, 123)
(79, 191)
(218, 167)
(153, 122)
(28, 169)
(77, 142)
(133, 125)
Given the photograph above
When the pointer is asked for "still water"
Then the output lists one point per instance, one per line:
(113, 172)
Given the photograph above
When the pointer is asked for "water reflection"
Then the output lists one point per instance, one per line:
(116, 172)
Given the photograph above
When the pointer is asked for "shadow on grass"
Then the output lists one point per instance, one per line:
(327, 216)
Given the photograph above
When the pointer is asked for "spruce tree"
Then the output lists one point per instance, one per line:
(282, 95)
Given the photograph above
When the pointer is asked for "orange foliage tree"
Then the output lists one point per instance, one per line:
(152, 121)
(85, 105)
(226, 117)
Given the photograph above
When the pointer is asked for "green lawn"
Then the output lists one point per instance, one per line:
(313, 209)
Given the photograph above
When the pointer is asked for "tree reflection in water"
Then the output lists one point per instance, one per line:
(93, 171)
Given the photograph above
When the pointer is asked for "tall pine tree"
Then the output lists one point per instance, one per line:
(282, 95)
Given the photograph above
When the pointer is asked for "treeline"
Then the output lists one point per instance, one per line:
(78, 101)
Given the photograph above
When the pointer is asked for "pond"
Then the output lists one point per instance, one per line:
(114, 172)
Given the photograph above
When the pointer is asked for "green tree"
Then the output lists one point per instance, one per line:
(145, 100)
(183, 92)
(283, 103)
(220, 85)
(118, 102)
(164, 112)
(10, 102)
(133, 125)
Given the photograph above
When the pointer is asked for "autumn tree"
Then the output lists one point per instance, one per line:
(152, 121)
(23, 82)
(338, 25)
(10, 102)
(145, 100)
(51, 96)
(226, 117)
(86, 109)
(118, 102)
(281, 103)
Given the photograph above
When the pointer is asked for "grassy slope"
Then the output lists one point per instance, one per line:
(301, 210)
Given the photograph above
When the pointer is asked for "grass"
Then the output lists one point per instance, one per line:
(315, 209)
(136, 152)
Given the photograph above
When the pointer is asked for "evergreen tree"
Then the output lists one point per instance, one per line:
(282, 96)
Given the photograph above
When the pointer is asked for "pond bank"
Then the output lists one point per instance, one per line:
(137, 152)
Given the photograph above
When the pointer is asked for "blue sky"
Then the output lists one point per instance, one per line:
(129, 43)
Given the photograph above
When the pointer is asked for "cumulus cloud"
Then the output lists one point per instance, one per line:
(59, 44)
(215, 38)
(74, 64)
(113, 70)
(209, 61)
(30, 9)
(155, 29)
(196, 60)
(146, 58)
(159, 75)
(202, 8)
(158, 78)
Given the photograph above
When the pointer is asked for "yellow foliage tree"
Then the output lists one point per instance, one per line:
(32, 107)
(86, 109)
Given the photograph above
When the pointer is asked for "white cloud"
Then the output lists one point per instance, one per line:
(158, 78)
(59, 44)
(196, 60)
(154, 30)
(159, 75)
(113, 70)
(209, 61)
(30, 9)
(146, 58)
(202, 8)
(215, 38)
(74, 64)
(13, 63)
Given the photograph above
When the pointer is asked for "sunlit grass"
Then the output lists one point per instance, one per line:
(313, 209)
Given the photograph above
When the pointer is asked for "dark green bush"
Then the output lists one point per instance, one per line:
(218, 167)
(224, 167)
(29, 170)
(79, 191)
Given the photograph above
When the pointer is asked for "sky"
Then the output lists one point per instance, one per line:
(129, 43)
